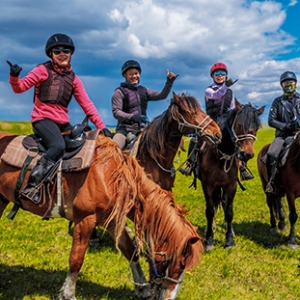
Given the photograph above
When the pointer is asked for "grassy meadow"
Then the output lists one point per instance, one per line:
(34, 253)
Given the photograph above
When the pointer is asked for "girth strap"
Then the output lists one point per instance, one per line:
(20, 180)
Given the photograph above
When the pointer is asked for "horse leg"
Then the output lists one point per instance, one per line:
(3, 203)
(127, 247)
(293, 216)
(210, 215)
(227, 204)
(81, 236)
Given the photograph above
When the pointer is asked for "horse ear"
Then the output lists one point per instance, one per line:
(238, 105)
(261, 110)
(176, 98)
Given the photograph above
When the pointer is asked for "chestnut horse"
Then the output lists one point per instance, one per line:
(217, 166)
(160, 140)
(113, 188)
(288, 183)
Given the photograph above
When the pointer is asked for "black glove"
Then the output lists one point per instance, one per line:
(15, 70)
(290, 126)
(137, 118)
(229, 82)
(106, 132)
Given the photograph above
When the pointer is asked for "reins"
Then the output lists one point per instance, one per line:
(198, 131)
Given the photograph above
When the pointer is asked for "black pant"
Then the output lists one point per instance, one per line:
(50, 132)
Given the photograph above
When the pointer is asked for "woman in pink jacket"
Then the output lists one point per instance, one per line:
(54, 85)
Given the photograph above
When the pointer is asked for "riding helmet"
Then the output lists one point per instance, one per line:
(288, 75)
(59, 39)
(129, 64)
(218, 66)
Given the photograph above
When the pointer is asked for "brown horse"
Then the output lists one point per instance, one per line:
(160, 140)
(288, 182)
(217, 166)
(113, 188)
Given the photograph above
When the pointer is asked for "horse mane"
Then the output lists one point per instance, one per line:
(158, 219)
(152, 143)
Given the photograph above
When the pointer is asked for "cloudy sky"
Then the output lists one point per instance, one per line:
(258, 40)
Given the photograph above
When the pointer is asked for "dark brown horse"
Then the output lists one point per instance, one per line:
(113, 188)
(217, 166)
(160, 140)
(288, 182)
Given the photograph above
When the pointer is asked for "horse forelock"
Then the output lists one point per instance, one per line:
(187, 105)
(248, 118)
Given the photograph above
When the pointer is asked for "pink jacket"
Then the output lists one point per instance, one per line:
(55, 112)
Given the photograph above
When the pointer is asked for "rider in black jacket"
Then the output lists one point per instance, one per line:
(284, 116)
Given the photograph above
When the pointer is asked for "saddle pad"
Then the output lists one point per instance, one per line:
(15, 154)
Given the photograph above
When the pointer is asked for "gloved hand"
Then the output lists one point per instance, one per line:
(137, 118)
(290, 126)
(171, 75)
(15, 70)
(106, 132)
(229, 82)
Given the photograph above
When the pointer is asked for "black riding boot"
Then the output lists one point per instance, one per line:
(271, 169)
(38, 172)
(191, 162)
(245, 175)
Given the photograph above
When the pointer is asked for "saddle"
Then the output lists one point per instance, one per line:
(24, 151)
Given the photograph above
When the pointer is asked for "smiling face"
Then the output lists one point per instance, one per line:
(132, 75)
(61, 56)
(219, 76)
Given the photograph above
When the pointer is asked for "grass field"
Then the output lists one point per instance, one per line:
(34, 253)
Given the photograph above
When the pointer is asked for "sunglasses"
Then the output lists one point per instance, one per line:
(57, 51)
(222, 73)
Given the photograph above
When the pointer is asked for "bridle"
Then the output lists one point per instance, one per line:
(158, 276)
(236, 139)
(182, 123)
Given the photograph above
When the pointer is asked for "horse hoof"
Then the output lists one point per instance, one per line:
(229, 246)
(274, 230)
(209, 247)
(292, 246)
(281, 226)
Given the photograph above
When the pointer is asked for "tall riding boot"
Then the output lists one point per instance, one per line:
(271, 169)
(38, 172)
(245, 175)
(191, 162)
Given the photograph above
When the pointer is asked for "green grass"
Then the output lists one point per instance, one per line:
(34, 253)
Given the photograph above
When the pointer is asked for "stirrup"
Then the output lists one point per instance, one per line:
(245, 175)
(187, 171)
(31, 193)
(271, 189)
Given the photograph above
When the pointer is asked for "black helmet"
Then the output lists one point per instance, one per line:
(288, 75)
(59, 39)
(131, 64)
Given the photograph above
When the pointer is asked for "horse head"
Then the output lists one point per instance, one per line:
(167, 271)
(192, 119)
(244, 128)
(172, 242)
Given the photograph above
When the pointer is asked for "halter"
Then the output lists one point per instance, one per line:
(229, 159)
(158, 277)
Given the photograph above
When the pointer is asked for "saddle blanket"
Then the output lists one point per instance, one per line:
(15, 154)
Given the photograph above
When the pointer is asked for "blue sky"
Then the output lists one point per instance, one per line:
(258, 40)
